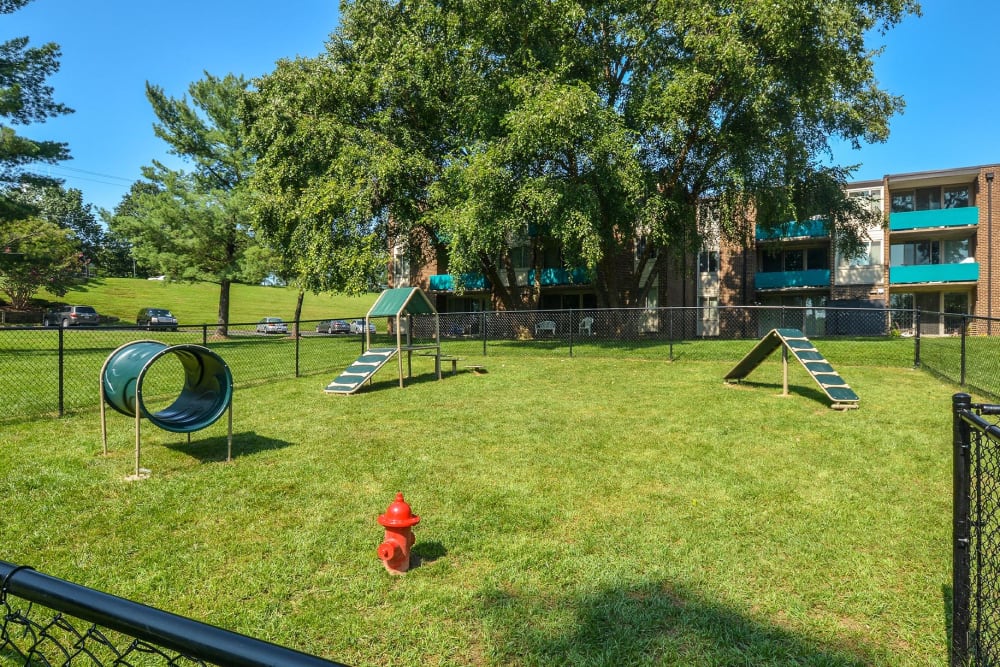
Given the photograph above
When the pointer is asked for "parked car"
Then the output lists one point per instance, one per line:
(156, 318)
(272, 325)
(71, 316)
(358, 326)
(333, 327)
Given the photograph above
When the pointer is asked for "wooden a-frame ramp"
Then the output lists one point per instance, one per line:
(795, 342)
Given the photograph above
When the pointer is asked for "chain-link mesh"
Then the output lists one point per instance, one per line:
(976, 595)
(47, 372)
(42, 637)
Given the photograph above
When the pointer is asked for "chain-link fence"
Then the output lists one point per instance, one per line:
(975, 637)
(50, 621)
(53, 371)
(962, 348)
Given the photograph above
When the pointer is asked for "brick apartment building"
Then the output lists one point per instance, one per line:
(935, 252)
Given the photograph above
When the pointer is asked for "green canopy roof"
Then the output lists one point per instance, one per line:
(402, 301)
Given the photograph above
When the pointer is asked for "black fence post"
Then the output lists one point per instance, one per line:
(62, 363)
(965, 328)
(204, 335)
(484, 333)
(671, 334)
(916, 339)
(297, 337)
(961, 479)
(572, 325)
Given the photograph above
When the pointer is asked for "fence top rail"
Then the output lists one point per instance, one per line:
(192, 638)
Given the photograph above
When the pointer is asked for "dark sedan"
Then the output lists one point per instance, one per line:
(333, 327)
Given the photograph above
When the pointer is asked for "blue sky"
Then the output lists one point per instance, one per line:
(942, 64)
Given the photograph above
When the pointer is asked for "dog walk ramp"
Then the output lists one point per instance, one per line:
(796, 344)
(362, 369)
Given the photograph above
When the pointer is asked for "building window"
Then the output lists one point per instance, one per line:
(708, 261)
(930, 199)
(956, 197)
(797, 259)
(871, 256)
(817, 258)
(920, 253)
(771, 261)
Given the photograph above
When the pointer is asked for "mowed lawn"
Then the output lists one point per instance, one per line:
(574, 511)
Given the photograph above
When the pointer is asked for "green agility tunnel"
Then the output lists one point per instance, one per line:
(205, 396)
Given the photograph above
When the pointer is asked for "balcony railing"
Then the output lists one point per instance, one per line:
(446, 283)
(945, 217)
(794, 230)
(786, 279)
(934, 273)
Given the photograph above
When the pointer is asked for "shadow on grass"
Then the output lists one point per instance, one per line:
(423, 553)
(793, 390)
(661, 623)
(213, 449)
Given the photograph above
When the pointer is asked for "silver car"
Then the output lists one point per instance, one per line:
(270, 325)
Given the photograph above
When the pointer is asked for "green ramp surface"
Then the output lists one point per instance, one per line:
(360, 370)
(800, 347)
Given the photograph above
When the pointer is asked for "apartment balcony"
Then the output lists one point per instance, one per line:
(551, 277)
(965, 272)
(792, 279)
(871, 274)
(446, 283)
(945, 217)
(809, 229)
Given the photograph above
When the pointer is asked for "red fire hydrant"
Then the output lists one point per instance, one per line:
(398, 521)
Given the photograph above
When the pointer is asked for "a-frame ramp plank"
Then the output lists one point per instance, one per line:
(360, 370)
(834, 386)
(756, 356)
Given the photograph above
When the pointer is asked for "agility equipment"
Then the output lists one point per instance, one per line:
(795, 342)
(205, 396)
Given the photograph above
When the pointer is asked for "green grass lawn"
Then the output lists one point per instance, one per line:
(574, 511)
(198, 303)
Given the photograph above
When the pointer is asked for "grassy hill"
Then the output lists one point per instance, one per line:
(198, 303)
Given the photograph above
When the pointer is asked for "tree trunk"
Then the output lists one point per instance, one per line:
(222, 327)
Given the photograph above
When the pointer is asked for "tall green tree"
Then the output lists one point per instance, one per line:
(607, 131)
(25, 98)
(193, 225)
(322, 218)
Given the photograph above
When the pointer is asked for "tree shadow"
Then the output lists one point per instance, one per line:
(208, 450)
(653, 624)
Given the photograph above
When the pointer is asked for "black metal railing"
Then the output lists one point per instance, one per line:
(975, 622)
(50, 621)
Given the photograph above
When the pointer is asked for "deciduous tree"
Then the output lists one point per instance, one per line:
(609, 132)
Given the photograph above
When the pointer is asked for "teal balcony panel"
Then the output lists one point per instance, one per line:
(934, 273)
(791, 230)
(945, 217)
(785, 279)
(446, 283)
(553, 276)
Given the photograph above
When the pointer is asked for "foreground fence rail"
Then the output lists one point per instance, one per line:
(975, 639)
(50, 621)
